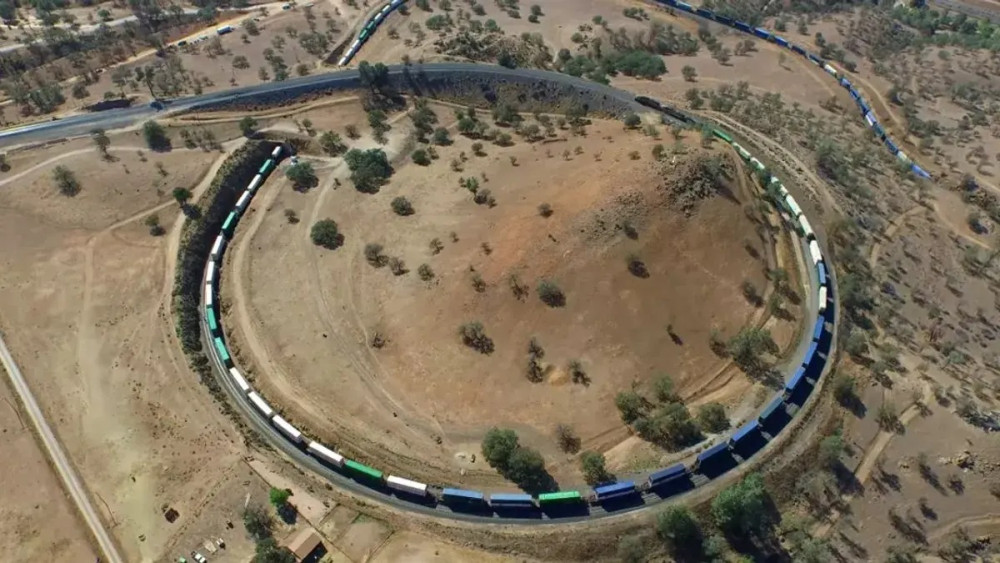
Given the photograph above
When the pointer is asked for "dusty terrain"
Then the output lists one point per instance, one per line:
(312, 355)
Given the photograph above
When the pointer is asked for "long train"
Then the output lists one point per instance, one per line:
(710, 463)
(761, 33)
(369, 28)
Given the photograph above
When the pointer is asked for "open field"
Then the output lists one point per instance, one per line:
(313, 355)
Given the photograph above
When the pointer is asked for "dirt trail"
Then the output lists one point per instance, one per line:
(61, 156)
(992, 519)
(870, 460)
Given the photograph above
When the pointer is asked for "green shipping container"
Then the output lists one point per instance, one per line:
(227, 227)
(266, 167)
(722, 135)
(221, 348)
(210, 316)
(363, 469)
(561, 496)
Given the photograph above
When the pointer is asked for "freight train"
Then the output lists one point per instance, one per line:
(369, 28)
(766, 35)
(709, 464)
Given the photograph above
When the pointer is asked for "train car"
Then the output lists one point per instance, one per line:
(722, 135)
(846, 83)
(354, 46)
(363, 36)
(241, 204)
(209, 296)
(287, 429)
(865, 108)
(266, 168)
(830, 70)
(614, 490)
(762, 33)
(920, 172)
(877, 129)
(210, 272)
(744, 434)
(276, 153)
(461, 496)
(891, 145)
(229, 224)
(725, 20)
(781, 41)
(649, 102)
(818, 329)
(757, 165)
(704, 13)
(822, 299)
(742, 151)
(363, 470)
(902, 156)
(406, 486)
(815, 253)
(323, 453)
(685, 6)
(797, 49)
(255, 183)
(224, 29)
(854, 94)
(814, 59)
(668, 474)
(559, 497)
(790, 202)
(218, 247)
(821, 273)
(772, 411)
(807, 230)
(220, 347)
(261, 405)
(743, 26)
(711, 455)
(213, 326)
(240, 381)
(870, 119)
(511, 500)
(793, 384)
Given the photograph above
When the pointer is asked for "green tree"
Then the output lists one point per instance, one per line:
(741, 509)
(631, 405)
(421, 157)
(526, 468)
(441, 136)
(102, 141)
(156, 136)
(680, 531)
(182, 195)
(663, 389)
(498, 446)
(689, 73)
(632, 121)
(279, 497)
(248, 126)
(592, 465)
(326, 233)
(402, 206)
(257, 522)
(332, 143)
(268, 551)
(830, 450)
(747, 348)
(712, 418)
(302, 175)
(843, 389)
(551, 294)
(66, 181)
(369, 169)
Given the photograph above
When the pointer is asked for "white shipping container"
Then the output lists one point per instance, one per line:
(325, 454)
(208, 295)
(796, 210)
(276, 152)
(242, 203)
(870, 119)
(258, 402)
(756, 163)
(822, 298)
(817, 256)
(806, 228)
(217, 247)
(830, 69)
(287, 429)
(240, 381)
(782, 191)
(902, 156)
(255, 183)
(210, 276)
(406, 485)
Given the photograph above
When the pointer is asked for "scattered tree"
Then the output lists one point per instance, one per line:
(373, 254)
(593, 466)
(369, 169)
(102, 142)
(155, 136)
(551, 294)
(545, 210)
(689, 73)
(741, 509)
(680, 531)
(425, 272)
(568, 441)
(302, 175)
(326, 233)
(712, 418)
(332, 143)
(632, 121)
(474, 336)
(402, 206)
(153, 222)
(248, 126)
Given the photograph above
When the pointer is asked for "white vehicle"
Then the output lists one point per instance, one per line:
(241, 205)
(210, 277)
(814, 251)
(199, 557)
(287, 429)
(241, 381)
(822, 299)
(255, 183)
(208, 295)
(325, 454)
(796, 210)
(806, 228)
(262, 406)
(406, 485)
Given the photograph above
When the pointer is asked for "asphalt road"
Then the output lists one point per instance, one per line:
(114, 119)
(59, 460)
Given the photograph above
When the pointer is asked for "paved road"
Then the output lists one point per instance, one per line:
(59, 459)
(114, 119)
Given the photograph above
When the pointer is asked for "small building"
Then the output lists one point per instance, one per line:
(305, 545)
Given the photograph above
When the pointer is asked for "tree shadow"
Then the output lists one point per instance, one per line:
(287, 513)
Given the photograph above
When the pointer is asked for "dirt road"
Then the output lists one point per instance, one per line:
(58, 457)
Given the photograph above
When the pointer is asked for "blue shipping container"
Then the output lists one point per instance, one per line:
(614, 490)
(710, 453)
(846, 83)
(920, 172)
(796, 380)
(671, 472)
(762, 33)
(511, 499)
(742, 26)
(814, 59)
(704, 13)
(685, 6)
(780, 40)
(744, 432)
(670, 2)
(462, 495)
(810, 358)
(724, 20)
(775, 407)
(892, 146)
(818, 329)
(821, 273)
(798, 49)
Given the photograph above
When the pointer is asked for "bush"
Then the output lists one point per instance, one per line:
(257, 522)
(332, 143)
(843, 389)
(421, 157)
(402, 206)
(302, 175)
(484, 197)
(498, 446)
(631, 405)
(425, 272)
(279, 497)
(592, 465)
(631, 549)
(248, 126)
(397, 266)
(632, 121)
(741, 509)
(636, 266)
(679, 529)
(569, 442)
(474, 336)
(369, 169)
(545, 210)
(66, 181)
(712, 418)
(374, 255)
(153, 222)
(550, 294)
(156, 136)
(325, 233)
(440, 136)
